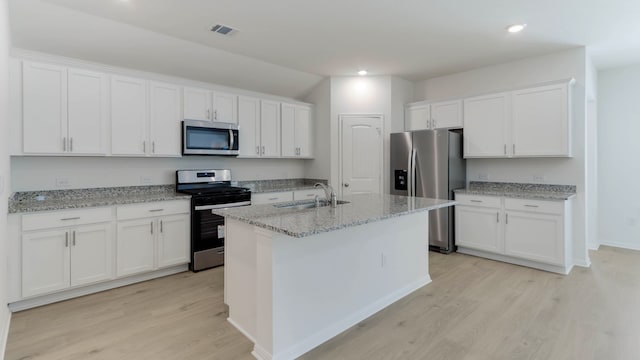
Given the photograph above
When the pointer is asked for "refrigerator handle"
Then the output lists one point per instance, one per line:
(414, 153)
(409, 175)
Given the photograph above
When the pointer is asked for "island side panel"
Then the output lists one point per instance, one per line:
(326, 283)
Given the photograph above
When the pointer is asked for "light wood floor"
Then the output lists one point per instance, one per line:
(474, 309)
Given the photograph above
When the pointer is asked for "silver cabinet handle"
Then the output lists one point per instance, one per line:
(151, 227)
(532, 206)
(497, 217)
(476, 201)
(160, 225)
(64, 144)
(506, 218)
(505, 149)
(156, 210)
(514, 149)
(262, 149)
(66, 239)
(271, 199)
(73, 242)
(71, 144)
(71, 218)
(208, 114)
(257, 150)
(215, 114)
(153, 147)
(434, 123)
(144, 146)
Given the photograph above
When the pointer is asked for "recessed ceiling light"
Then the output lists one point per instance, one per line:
(516, 28)
(362, 72)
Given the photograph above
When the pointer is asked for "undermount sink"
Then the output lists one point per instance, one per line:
(305, 205)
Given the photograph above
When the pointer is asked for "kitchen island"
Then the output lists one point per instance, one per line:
(295, 278)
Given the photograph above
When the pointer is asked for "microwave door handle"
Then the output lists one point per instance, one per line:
(231, 137)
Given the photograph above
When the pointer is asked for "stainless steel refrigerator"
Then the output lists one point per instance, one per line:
(429, 163)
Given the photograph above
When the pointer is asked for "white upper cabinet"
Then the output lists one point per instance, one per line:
(296, 131)
(207, 105)
(165, 119)
(128, 116)
(417, 117)
(270, 128)
(541, 123)
(446, 114)
(485, 125)
(64, 110)
(249, 126)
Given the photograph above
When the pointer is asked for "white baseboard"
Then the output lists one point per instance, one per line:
(86, 290)
(5, 336)
(512, 260)
(620, 245)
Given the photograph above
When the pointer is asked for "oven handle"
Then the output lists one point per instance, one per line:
(222, 206)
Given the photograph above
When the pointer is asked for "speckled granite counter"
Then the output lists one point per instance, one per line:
(32, 201)
(520, 190)
(266, 186)
(361, 209)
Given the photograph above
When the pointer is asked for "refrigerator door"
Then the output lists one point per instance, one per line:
(432, 180)
(400, 163)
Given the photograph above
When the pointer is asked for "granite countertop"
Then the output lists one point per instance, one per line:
(520, 190)
(32, 201)
(361, 209)
(267, 186)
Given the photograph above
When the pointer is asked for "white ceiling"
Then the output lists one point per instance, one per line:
(414, 39)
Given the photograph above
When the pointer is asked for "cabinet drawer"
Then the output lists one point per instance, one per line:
(308, 194)
(65, 218)
(478, 200)
(537, 206)
(146, 210)
(270, 198)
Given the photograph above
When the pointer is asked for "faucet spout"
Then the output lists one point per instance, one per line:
(329, 194)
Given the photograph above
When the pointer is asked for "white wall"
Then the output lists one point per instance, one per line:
(40, 173)
(561, 65)
(591, 189)
(4, 171)
(320, 166)
(619, 168)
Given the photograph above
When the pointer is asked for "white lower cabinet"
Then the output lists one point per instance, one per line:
(533, 233)
(271, 198)
(55, 259)
(152, 236)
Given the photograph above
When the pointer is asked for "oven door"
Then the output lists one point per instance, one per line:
(209, 138)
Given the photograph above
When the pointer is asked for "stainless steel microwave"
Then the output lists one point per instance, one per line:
(209, 138)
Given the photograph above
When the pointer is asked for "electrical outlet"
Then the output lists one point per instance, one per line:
(63, 182)
(483, 176)
(538, 178)
(146, 180)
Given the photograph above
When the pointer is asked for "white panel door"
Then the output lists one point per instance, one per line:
(417, 117)
(45, 261)
(225, 107)
(361, 155)
(44, 108)
(165, 119)
(173, 240)
(197, 104)
(446, 114)
(537, 237)
(541, 122)
(485, 126)
(249, 126)
(135, 246)
(270, 128)
(87, 112)
(128, 116)
(303, 128)
(288, 133)
(479, 228)
(91, 254)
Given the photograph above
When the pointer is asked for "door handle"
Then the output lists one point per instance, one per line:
(346, 185)
(262, 149)
(73, 241)
(497, 217)
(413, 172)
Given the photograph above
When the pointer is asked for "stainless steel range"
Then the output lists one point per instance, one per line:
(209, 189)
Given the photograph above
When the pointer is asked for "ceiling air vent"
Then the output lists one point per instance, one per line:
(223, 29)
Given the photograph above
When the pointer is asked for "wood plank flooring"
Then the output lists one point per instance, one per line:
(474, 309)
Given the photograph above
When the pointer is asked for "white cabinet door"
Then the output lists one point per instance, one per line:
(45, 261)
(532, 236)
(128, 116)
(87, 112)
(225, 107)
(173, 240)
(303, 132)
(417, 117)
(249, 126)
(485, 126)
(197, 104)
(541, 121)
(165, 119)
(44, 108)
(270, 128)
(91, 254)
(446, 114)
(479, 228)
(288, 133)
(135, 246)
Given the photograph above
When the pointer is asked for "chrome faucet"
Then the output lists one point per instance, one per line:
(330, 195)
